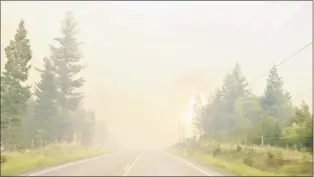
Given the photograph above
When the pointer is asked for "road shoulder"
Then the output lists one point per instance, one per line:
(38, 171)
(204, 166)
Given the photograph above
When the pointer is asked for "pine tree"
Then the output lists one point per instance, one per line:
(84, 126)
(4, 120)
(66, 59)
(234, 88)
(210, 118)
(240, 81)
(89, 128)
(274, 90)
(197, 112)
(276, 101)
(46, 97)
(15, 92)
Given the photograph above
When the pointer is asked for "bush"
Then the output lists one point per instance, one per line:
(239, 148)
(298, 169)
(217, 150)
(270, 155)
(3, 158)
(248, 159)
(260, 159)
(275, 159)
(279, 159)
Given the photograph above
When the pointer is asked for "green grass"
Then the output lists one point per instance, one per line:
(290, 154)
(21, 162)
(287, 163)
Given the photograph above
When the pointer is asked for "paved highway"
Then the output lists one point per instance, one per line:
(131, 163)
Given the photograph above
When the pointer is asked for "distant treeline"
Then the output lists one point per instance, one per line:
(235, 114)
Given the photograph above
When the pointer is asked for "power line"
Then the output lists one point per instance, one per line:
(283, 61)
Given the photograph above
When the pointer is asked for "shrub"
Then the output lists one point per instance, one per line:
(239, 148)
(279, 158)
(3, 158)
(275, 159)
(270, 155)
(248, 160)
(217, 150)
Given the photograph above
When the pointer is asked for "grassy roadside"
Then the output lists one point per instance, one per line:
(254, 163)
(22, 162)
(208, 160)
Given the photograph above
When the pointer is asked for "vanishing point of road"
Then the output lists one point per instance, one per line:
(129, 163)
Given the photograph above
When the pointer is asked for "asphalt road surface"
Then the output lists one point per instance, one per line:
(131, 163)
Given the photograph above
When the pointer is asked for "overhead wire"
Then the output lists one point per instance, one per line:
(282, 62)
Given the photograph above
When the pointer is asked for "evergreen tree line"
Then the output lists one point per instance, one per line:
(52, 111)
(234, 114)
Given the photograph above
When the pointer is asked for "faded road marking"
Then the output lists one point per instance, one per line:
(129, 167)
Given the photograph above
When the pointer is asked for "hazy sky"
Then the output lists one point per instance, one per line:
(146, 59)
